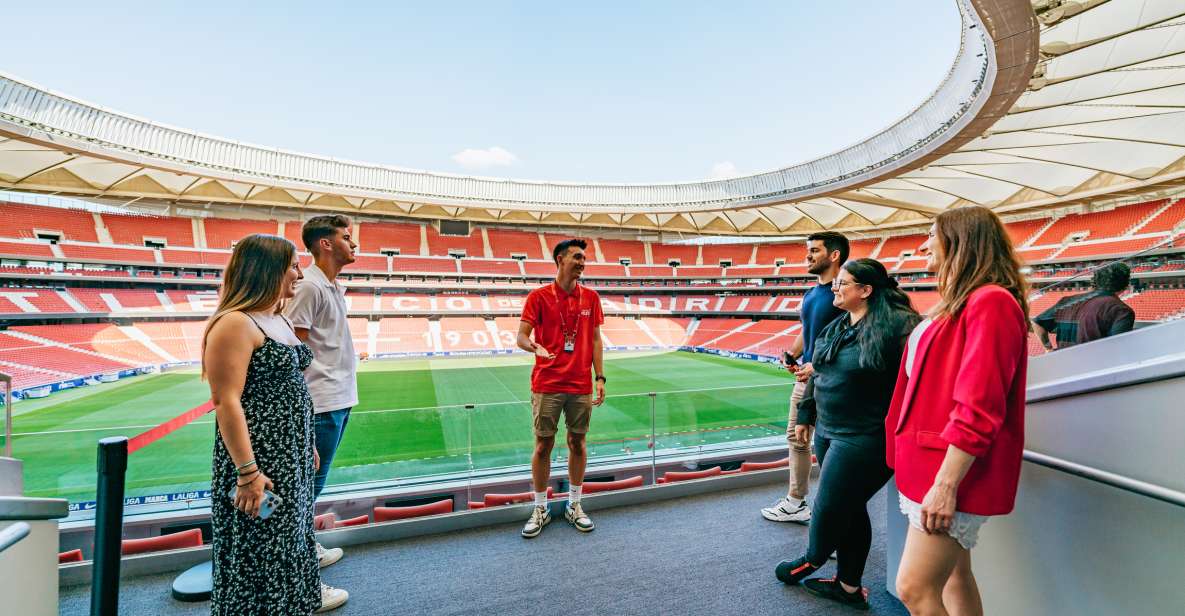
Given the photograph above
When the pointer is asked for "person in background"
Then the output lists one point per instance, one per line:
(318, 312)
(955, 429)
(263, 441)
(826, 251)
(856, 360)
(566, 319)
(1089, 316)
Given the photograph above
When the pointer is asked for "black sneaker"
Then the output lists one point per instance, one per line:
(793, 571)
(830, 589)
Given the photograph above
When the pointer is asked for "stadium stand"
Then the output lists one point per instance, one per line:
(1023, 231)
(663, 254)
(26, 249)
(466, 334)
(27, 221)
(1107, 249)
(1158, 304)
(858, 249)
(1165, 221)
(134, 229)
(95, 252)
(770, 254)
(1111, 223)
(489, 266)
(403, 336)
(375, 237)
(756, 334)
(224, 232)
(15, 300)
(443, 245)
(894, 246)
(615, 250)
(736, 254)
(505, 243)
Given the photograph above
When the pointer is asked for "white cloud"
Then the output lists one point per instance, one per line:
(495, 156)
(724, 170)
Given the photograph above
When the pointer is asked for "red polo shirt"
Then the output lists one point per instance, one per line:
(568, 373)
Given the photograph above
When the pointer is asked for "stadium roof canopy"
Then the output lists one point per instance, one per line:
(1048, 102)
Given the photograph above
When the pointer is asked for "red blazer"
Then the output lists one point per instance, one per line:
(967, 390)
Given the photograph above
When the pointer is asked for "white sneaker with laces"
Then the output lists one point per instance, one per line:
(328, 556)
(575, 515)
(331, 599)
(539, 518)
(786, 511)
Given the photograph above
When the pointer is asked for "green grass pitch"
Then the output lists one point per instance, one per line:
(410, 421)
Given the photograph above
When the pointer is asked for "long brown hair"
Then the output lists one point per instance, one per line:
(252, 279)
(976, 250)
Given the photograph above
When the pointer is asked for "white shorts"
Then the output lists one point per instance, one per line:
(964, 528)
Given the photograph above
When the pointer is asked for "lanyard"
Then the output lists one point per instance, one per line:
(561, 306)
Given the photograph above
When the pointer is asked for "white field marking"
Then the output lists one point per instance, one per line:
(139, 427)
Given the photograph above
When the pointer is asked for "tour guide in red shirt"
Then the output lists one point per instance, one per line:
(566, 319)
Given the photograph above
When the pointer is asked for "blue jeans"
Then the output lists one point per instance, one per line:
(328, 428)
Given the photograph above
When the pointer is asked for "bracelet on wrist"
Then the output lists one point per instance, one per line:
(249, 473)
(246, 464)
(243, 484)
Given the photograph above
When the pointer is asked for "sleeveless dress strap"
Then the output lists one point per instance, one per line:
(257, 325)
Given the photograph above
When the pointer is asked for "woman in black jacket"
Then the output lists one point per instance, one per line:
(856, 360)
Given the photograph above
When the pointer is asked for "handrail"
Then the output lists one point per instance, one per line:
(1127, 484)
(13, 534)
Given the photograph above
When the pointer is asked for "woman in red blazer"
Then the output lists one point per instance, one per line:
(955, 428)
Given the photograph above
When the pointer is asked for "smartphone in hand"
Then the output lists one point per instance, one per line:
(269, 504)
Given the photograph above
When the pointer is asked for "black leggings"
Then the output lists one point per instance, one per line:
(853, 471)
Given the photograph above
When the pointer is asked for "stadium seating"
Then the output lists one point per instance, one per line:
(17, 300)
(594, 487)
(788, 252)
(663, 254)
(403, 335)
(387, 514)
(758, 466)
(22, 220)
(361, 520)
(1166, 220)
(738, 254)
(133, 229)
(325, 521)
(710, 329)
(1158, 304)
(1111, 223)
(1021, 232)
(894, 246)
(72, 556)
(499, 500)
(107, 254)
(699, 271)
(195, 257)
(439, 265)
(505, 243)
(441, 245)
(858, 249)
(615, 250)
(1109, 249)
(489, 266)
(26, 249)
(224, 232)
(375, 237)
(466, 334)
(755, 334)
(675, 476)
(191, 538)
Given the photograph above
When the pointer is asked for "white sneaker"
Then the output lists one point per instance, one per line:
(328, 556)
(539, 518)
(575, 515)
(331, 599)
(786, 511)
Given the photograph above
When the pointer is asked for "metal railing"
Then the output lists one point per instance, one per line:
(13, 534)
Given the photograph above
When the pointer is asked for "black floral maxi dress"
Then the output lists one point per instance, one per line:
(269, 566)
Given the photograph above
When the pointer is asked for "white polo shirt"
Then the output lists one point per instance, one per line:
(320, 307)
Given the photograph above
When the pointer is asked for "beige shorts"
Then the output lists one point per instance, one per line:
(546, 410)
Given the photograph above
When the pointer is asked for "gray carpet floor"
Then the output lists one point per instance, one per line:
(709, 554)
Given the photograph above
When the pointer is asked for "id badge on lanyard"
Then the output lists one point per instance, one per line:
(569, 335)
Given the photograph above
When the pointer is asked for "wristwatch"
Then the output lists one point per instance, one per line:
(601, 379)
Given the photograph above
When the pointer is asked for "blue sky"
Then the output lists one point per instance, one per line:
(610, 91)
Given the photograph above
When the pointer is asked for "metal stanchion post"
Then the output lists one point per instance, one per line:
(112, 468)
(469, 408)
(653, 439)
(7, 380)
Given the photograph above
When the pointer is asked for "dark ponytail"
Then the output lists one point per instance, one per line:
(890, 316)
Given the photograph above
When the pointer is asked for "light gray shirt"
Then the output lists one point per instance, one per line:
(320, 307)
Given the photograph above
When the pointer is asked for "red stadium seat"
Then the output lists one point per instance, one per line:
(675, 476)
(325, 521)
(759, 466)
(497, 500)
(386, 514)
(73, 556)
(191, 538)
(592, 487)
(361, 520)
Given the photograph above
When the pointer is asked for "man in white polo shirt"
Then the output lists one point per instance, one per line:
(318, 313)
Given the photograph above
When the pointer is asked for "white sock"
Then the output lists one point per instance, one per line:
(796, 502)
(574, 493)
(541, 499)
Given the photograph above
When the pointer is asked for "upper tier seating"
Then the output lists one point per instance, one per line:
(649, 271)
(1157, 304)
(1114, 249)
(547, 268)
(858, 249)
(894, 246)
(224, 232)
(738, 254)
(663, 254)
(440, 245)
(1021, 231)
(439, 265)
(195, 257)
(26, 249)
(375, 237)
(750, 272)
(698, 271)
(1166, 220)
(615, 250)
(107, 254)
(490, 266)
(1110, 223)
(505, 243)
(22, 220)
(132, 229)
(118, 300)
(789, 252)
(25, 301)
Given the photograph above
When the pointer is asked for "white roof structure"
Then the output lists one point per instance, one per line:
(1089, 106)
